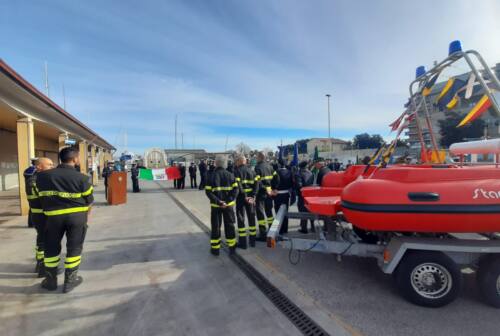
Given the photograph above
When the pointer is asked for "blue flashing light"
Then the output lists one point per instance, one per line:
(420, 71)
(455, 46)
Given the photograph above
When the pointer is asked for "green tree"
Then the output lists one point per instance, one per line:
(450, 133)
(365, 140)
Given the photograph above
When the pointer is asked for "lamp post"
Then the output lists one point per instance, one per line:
(329, 134)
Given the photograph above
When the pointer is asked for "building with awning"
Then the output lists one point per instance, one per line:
(32, 125)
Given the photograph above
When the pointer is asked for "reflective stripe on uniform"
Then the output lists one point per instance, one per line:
(31, 197)
(39, 254)
(218, 206)
(61, 194)
(234, 185)
(262, 222)
(257, 178)
(88, 192)
(252, 230)
(66, 211)
(248, 182)
(269, 177)
(208, 188)
(51, 261)
(270, 220)
(215, 243)
(72, 262)
(231, 242)
(238, 179)
(269, 188)
(247, 190)
(242, 232)
(37, 211)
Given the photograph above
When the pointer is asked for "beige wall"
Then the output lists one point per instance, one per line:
(8, 161)
(47, 148)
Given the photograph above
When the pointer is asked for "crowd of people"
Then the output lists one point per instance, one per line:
(244, 198)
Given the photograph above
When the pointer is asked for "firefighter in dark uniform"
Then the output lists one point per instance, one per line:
(284, 192)
(303, 178)
(36, 211)
(245, 202)
(66, 197)
(106, 173)
(28, 174)
(268, 180)
(322, 170)
(222, 191)
(134, 174)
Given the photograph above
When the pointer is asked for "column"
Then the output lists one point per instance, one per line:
(82, 148)
(25, 152)
(94, 164)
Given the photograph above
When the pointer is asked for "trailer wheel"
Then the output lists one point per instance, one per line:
(430, 279)
(488, 279)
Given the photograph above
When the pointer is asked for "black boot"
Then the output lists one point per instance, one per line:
(71, 280)
(40, 268)
(232, 250)
(215, 252)
(251, 240)
(242, 243)
(262, 237)
(50, 281)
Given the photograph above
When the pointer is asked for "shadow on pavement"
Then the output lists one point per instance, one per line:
(188, 296)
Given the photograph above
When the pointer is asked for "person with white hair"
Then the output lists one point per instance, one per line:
(37, 216)
(245, 202)
(268, 180)
(222, 190)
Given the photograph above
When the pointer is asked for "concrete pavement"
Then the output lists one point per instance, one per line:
(356, 295)
(147, 271)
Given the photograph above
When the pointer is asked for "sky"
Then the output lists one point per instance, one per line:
(253, 71)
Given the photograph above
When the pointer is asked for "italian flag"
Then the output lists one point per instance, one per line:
(162, 174)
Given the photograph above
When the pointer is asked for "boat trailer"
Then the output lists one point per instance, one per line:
(427, 270)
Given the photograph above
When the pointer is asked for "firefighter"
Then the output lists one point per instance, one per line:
(192, 175)
(245, 202)
(284, 192)
(203, 174)
(66, 197)
(321, 169)
(28, 174)
(222, 191)
(106, 173)
(303, 178)
(134, 174)
(37, 216)
(267, 180)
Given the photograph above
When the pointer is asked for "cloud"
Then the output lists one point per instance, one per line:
(234, 68)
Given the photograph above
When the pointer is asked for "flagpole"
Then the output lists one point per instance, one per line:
(430, 128)
(329, 134)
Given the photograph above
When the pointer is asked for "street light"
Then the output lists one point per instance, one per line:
(328, 102)
(329, 135)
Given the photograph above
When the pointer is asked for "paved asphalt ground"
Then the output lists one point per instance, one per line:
(357, 295)
(147, 271)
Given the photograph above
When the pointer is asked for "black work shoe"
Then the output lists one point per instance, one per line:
(303, 231)
(215, 252)
(242, 243)
(50, 281)
(71, 280)
(232, 250)
(40, 268)
(252, 241)
(261, 238)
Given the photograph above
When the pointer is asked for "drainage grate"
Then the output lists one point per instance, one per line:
(300, 319)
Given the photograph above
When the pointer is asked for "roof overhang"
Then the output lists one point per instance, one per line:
(26, 100)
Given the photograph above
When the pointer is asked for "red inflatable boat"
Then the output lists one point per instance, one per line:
(425, 199)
